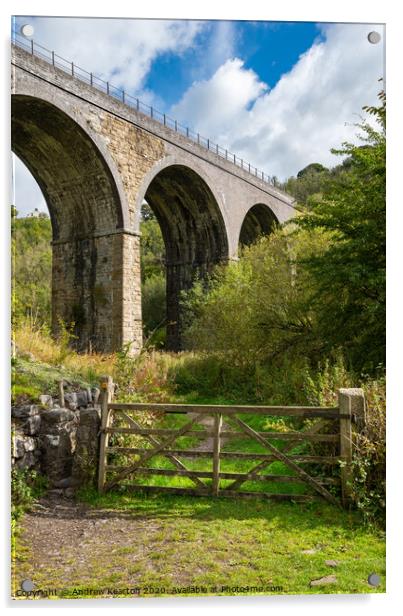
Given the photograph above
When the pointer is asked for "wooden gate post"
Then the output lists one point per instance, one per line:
(216, 452)
(106, 385)
(351, 409)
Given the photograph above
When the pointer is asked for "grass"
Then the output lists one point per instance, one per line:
(204, 463)
(178, 542)
(42, 361)
(167, 545)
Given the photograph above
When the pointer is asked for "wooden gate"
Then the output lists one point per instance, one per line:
(213, 429)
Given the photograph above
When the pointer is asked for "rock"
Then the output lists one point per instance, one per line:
(69, 492)
(55, 492)
(24, 411)
(70, 400)
(46, 401)
(29, 443)
(27, 461)
(89, 417)
(58, 416)
(50, 440)
(331, 563)
(86, 453)
(328, 579)
(310, 551)
(82, 398)
(18, 447)
(95, 395)
(67, 482)
(32, 425)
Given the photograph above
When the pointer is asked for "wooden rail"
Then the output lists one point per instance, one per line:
(211, 424)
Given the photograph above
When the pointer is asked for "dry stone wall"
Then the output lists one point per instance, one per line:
(60, 443)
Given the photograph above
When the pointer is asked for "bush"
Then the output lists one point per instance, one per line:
(26, 486)
(154, 308)
(369, 456)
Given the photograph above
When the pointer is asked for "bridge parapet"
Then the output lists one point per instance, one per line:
(46, 64)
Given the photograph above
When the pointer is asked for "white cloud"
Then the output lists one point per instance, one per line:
(311, 109)
(216, 105)
(119, 50)
(279, 130)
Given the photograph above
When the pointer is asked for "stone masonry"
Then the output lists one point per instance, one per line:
(60, 443)
(96, 160)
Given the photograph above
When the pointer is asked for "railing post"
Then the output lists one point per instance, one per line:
(72, 69)
(216, 453)
(351, 408)
(107, 87)
(187, 131)
(91, 78)
(32, 47)
(106, 386)
(123, 96)
(53, 58)
(176, 125)
(138, 104)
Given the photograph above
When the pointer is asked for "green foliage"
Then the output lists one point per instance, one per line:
(152, 245)
(32, 268)
(65, 338)
(153, 278)
(154, 308)
(369, 456)
(257, 310)
(311, 169)
(348, 295)
(26, 486)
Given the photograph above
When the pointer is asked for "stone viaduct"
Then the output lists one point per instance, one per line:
(96, 158)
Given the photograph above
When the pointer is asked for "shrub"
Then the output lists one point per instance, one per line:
(369, 456)
(26, 486)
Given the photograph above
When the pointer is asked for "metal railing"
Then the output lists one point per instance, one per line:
(106, 87)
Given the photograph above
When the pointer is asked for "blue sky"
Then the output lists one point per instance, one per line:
(279, 95)
(267, 48)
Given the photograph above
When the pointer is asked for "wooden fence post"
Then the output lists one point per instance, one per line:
(61, 394)
(351, 409)
(106, 386)
(216, 452)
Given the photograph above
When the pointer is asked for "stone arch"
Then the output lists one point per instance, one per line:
(193, 229)
(259, 220)
(79, 185)
(86, 211)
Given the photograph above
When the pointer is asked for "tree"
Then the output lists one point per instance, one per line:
(349, 294)
(32, 268)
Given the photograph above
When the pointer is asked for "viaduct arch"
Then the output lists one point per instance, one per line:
(96, 160)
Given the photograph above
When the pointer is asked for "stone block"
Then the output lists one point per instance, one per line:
(57, 416)
(18, 446)
(50, 440)
(32, 425)
(46, 401)
(24, 411)
(29, 460)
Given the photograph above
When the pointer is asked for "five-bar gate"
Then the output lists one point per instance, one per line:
(213, 428)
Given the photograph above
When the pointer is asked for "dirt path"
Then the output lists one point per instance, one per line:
(208, 443)
(65, 544)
